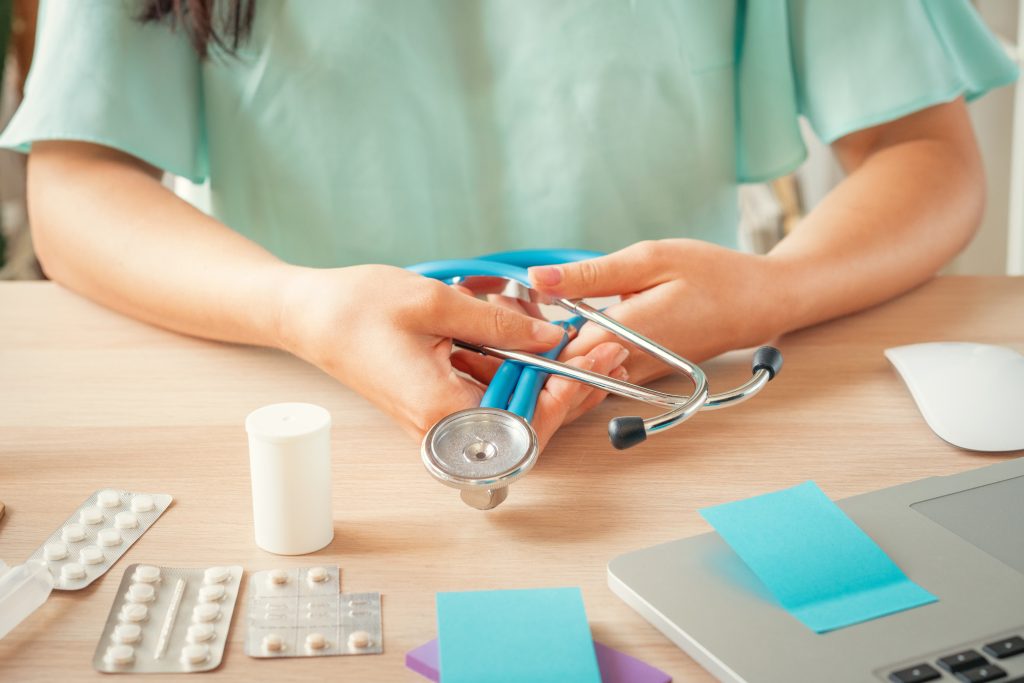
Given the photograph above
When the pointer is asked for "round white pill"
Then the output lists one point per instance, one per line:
(127, 633)
(108, 499)
(146, 573)
(108, 537)
(120, 654)
(212, 593)
(317, 575)
(359, 639)
(126, 520)
(134, 613)
(316, 641)
(216, 575)
(277, 577)
(72, 571)
(90, 515)
(273, 643)
(142, 503)
(55, 551)
(195, 654)
(73, 533)
(90, 554)
(141, 592)
(198, 633)
(208, 611)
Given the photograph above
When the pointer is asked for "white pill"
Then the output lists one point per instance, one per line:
(277, 577)
(120, 654)
(359, 639)
(108, 499)
(90, 554)
(72, 571)
(142, 503)
(127, 633)
(141, 592)
(316, 641)
(216, 575)
(198, 633)
(134, 613)
(195, 654)
(55, 551)
(146, 573)
(208, 611)
(90, 515)
(126, 520)
(273, 643)
(73, 533)
(317, 575)
(212, 593)
(108, 537)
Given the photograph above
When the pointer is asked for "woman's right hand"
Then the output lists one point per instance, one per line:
(387, 333)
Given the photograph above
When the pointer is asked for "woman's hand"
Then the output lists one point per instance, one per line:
(387, 333)
(695, 298)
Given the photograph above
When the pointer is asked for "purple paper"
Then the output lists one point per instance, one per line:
(616, 667)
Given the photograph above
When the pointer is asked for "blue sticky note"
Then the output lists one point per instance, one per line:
(814, 559)
(515, 636)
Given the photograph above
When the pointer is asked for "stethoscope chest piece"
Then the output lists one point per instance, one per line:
(480, 451)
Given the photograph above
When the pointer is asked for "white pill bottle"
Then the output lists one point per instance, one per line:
(290, 464)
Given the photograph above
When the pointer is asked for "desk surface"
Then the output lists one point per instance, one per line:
(91, 399)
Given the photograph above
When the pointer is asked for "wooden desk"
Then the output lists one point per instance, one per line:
(89, 399)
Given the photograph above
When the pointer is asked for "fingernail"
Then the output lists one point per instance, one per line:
(621, 356)
(547, 333)
(620, 373)
(549, 276)
(588, 363)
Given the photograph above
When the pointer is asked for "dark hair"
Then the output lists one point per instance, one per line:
(224, 24)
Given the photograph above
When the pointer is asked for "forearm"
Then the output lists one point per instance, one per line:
(903, 213)
(104, 226)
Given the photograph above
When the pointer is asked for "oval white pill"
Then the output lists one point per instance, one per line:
(120, 654)
(211, 593)
(216, 575)
(142, 503)
(127, 633)
(273, 643)
(90, 554)
(90, 515)
(208, 611)
(141, 592)
(195, 654)
(359, 639)
(55, 551)
(126, 520)
(108, 537)
(277, 577)
(317, 575)
(134, 612)
(73, 533)
(316, 641)
(198, 633)
(108, 498)
(72, 571)
(146, 573)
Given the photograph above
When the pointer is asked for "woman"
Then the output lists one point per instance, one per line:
(338, 134)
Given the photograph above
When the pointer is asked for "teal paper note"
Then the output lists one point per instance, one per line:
(515, 636)
(816, 561)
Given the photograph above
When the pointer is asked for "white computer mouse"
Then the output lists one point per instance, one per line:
(971, 395)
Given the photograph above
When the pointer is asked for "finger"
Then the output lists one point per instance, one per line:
(596, 397)
(528, 307)
(479, 367)
(633, 269)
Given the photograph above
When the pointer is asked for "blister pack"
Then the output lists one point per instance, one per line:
(99, 532)
(301, 613)
(168, 619)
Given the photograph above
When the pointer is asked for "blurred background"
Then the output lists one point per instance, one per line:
(767, 211)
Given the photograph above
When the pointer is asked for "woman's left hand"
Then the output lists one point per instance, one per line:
(696, 298)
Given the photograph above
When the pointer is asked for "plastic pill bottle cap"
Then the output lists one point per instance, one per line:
(282, 422)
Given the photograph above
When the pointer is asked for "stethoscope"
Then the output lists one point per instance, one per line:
(482, 451)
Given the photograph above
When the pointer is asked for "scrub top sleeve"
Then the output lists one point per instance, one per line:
(860, 64)
(100, 76)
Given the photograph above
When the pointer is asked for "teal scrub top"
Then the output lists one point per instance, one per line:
(394, 131)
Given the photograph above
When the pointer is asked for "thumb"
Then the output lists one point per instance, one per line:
(633, 269)
(479, 322)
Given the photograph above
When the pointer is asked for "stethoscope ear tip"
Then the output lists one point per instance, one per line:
(767, 358)
(626, 432)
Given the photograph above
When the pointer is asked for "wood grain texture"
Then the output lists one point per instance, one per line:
(90, 399)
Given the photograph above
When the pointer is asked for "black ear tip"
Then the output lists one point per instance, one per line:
(767, 358)
(626, 432)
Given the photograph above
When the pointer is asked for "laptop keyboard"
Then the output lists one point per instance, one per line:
(970, 666)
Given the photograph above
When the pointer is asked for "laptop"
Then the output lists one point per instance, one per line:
(960, 537)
